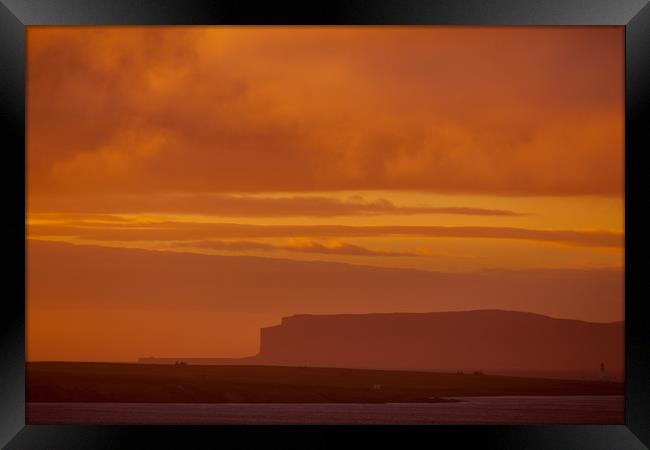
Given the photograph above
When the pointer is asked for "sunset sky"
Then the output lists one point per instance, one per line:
(449, 150)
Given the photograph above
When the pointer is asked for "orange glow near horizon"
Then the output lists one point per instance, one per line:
(453, 150)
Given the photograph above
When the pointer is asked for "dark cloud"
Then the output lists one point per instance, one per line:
(341, 248)
(169, 230)
(242, 205)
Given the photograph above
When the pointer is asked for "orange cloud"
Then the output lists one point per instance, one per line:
(157, 137)
(253, 109)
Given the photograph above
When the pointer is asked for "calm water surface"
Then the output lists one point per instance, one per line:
(607, 409)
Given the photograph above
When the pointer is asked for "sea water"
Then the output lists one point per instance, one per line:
(584, 409)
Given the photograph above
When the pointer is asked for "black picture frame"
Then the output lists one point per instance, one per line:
(16, 15)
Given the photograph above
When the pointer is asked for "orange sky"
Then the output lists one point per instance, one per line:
(440, 149)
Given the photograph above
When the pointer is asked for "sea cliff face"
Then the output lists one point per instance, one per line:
(488, 341)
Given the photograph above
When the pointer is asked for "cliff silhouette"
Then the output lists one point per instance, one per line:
(488, 341)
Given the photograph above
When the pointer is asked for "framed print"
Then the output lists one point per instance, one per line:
(306, 226)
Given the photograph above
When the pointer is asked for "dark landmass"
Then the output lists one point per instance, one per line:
(145, 383)
(492, 341)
